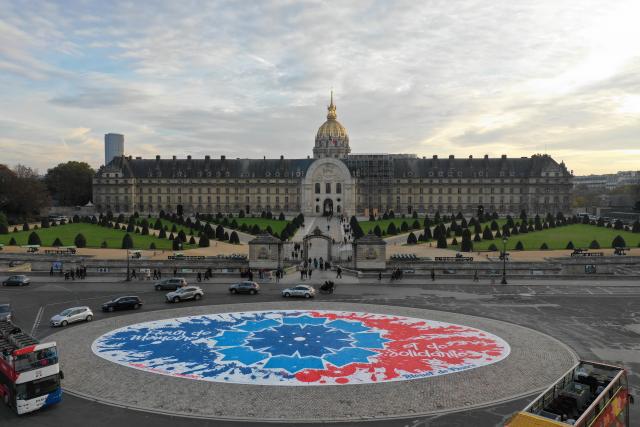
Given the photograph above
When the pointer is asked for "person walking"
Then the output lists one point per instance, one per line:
(433, 275)
(339, 273)
(475, 276)
(175, 271)
(199, 277)
(379, 276)
(133, 273)
(155, 274)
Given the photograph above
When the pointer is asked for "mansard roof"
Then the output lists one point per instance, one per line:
(484, 167)
(208, 168)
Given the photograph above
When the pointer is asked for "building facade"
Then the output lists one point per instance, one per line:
(334, 181)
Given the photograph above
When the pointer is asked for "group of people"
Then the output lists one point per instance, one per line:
(72, 274)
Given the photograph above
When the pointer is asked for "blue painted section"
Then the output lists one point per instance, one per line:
(294, 364)
(348, 326)
(53, 398)
(369, 340)
(350, 355)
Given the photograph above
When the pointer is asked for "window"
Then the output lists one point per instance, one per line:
(328, 188)
(338, 188)
(317, 188)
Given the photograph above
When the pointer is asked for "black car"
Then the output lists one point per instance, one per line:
(122, 303)
(5, 312)
(171, 284)
(17, 280)
(245, 288)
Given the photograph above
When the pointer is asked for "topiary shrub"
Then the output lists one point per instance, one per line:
(204, 241)
(103, 245)
(411, 239)
(594, 245)
(233, 238)
(80, 241)
(454, 242)
(519, 246)
(570, 245)
(152, 246)
(192, 240)
(127, 242)
(12, 242)
(618, 242)
(487, 234)
(34, 239)
(493, 247)
(477, 238)
(442, 242)
(25, 227)
(391, 229)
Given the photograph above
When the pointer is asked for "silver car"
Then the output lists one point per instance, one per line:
(182, 294)
(299, 291)
(71, 315)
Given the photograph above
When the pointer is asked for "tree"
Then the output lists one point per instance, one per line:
(427, 234)
(145, 230)
(152, 246)
(493, 247)
(391, 229)
(176, 244)
(25, 227)
(411, 239)
(192, 240)
(103, 245)
(487, 234)
(70, 183)
(404, 227)
(157, 225)
(477, 238)
(80, 241)
(57, 243)
(618, 225)
(4, 224)
(634, 229)
(570, 245)
(519, 245)
(618, 242)
(12, 242)
(415, 225)
(467, 244)
(220, 232)
(377, 231)
(594, 245)
(204, 241)
(233, 238)
(544, 247)
(22, 193)
(127, 242)
(34, 239)
(355, 228)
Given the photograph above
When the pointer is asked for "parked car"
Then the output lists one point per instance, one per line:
(299, 291)
(5, 312)
(182, 294)
(71, 315)
(245, 288)
(122, 303)
(17, 280)
(170, 284)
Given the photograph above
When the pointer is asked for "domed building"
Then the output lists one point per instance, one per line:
(334, 181)
(332, 139)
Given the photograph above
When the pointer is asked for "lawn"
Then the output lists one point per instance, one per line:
(557, 238)
(276, 225)
(94, 234)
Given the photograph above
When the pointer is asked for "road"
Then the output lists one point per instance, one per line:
(600, 321)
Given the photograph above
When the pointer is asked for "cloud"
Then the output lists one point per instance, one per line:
(218, 78)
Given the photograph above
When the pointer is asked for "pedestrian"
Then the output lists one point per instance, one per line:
(199, 277)
(148, 274)
(175, 271)
(155, 274)
(309, 273)
(380, 276)
(339, 275)
(433, 274)
(301, 274)
(159, 274)
(51, 271)
(475, 276)
(72, 273)
(133, 273)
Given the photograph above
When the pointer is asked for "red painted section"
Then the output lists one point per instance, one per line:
(414, 348)
(24, 350)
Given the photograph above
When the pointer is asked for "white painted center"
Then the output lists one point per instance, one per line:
(299, 339)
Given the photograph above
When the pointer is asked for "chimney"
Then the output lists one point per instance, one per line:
(486, 156)
(451, 157)
(504, 156)
(174, 157)
(207, 157)
(189, 157)
(281, 157)
(470, 156)
(138, 158)
(435, 156)
(157, 157)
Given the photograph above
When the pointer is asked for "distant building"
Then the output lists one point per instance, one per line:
(113, 146)
(334, 181)
(608, 181)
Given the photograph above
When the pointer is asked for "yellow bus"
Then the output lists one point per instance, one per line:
(590, 394)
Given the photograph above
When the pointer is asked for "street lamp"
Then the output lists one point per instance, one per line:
(128, 270)
(504, 261)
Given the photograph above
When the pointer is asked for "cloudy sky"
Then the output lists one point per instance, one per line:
(252, 79)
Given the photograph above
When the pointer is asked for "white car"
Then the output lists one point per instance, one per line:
(188, 292)
(299, 291)
(71, 315)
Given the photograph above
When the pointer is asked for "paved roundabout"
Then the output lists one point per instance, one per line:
(306, 361)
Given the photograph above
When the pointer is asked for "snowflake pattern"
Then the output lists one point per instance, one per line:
(287, 347)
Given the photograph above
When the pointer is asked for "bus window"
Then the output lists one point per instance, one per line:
(37, 388)
(36, 359)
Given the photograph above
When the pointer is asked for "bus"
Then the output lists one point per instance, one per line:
(29, 370)
(590, 394)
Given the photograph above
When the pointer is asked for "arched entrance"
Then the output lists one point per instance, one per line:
(327, 207)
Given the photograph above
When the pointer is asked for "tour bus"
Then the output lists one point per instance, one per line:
(29, 370)
(591, 394)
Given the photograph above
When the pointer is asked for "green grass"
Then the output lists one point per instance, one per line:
(276, 225)
(94, 234)
(557, 238)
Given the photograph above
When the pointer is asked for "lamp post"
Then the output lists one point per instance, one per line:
(128, 270)
(504, 261)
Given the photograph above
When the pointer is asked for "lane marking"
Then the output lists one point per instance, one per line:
(36, 323)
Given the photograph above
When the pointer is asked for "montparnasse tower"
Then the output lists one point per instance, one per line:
(332, 139)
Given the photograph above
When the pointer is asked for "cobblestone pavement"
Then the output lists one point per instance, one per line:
(598, 320)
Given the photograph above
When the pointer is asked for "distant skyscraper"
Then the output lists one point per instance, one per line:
(113, 146)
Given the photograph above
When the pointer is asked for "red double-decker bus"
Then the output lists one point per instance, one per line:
(29, 370)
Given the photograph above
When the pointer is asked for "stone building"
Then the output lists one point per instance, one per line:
(334, 181)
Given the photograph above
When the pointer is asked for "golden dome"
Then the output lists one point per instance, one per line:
(331, 129)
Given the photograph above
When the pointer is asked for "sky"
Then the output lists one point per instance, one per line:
(252, 79)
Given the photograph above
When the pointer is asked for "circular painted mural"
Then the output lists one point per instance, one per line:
(300, 347)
